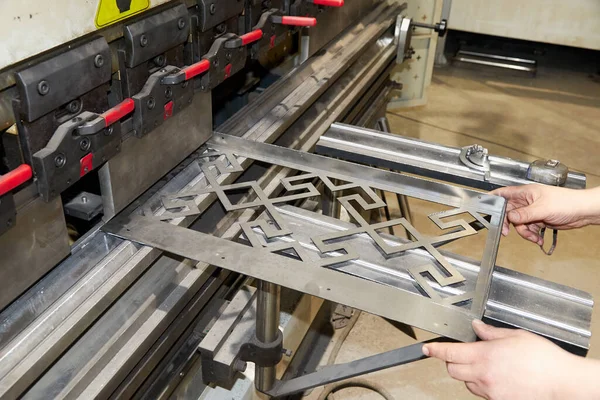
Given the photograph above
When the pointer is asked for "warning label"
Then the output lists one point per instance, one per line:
(111, 11)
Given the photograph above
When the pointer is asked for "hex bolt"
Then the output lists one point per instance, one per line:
(84, 144)
(181, 23)
(98, 61)
(150, 103)
(60, 160)
(43, 88)
(168, 92)
(160, 60)
(73, 106)
(212, 8)
(143, 40)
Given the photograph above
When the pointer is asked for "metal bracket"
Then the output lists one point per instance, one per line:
(213, 12)
(155, 35)
(476, 157)
(52, 83)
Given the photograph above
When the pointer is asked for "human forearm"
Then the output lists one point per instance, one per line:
(580, 380)
(587, 204)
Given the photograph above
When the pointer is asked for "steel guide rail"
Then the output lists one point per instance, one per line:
(427, 159)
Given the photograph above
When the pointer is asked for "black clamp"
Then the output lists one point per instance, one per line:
(165, 93)
(263, 354)
(71, 153)
(227, 56)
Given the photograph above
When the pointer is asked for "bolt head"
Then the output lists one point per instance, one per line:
(85, 144)
(150, 103)
(60, 160)
(73, 106)
(181, 23)
(212, 9)
(99, 61)
(43, 88)
(143, 40)
(168, 92)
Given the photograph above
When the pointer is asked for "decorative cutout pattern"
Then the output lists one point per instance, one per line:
(334, 247)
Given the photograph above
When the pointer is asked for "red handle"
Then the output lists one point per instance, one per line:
(14, 178)
(196, 69)
(329, 3)
(251, 37)
(299, 21)
(117, 112)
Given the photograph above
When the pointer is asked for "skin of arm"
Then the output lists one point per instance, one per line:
(531, 207)
(517, 365)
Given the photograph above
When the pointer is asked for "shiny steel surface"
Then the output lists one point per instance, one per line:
(267, 328)
(326, 169)
(423, 158)
(550, 309)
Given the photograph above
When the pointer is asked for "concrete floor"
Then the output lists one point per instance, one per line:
(555, 115)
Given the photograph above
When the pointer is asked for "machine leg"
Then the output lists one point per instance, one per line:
(267, 329)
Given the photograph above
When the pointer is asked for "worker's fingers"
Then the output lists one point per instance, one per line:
(525, 233)
(536, 229)
(527, 214)
(508, 192)
(475, 389)
(459, 353)
(462, 372)
(489, 332)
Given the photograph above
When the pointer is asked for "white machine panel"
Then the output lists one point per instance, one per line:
(571, 23)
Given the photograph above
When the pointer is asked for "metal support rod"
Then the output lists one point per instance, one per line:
(267, 328)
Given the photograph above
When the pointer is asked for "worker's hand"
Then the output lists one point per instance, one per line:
(532, 207)
(512, 364)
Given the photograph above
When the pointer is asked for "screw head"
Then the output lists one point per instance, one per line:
(108, 131)
(98, 61)
(74, 106)
(150, 103)
(143, 40)
(160, 60)
(43, 88)
(212, 8)
(168, 92)
(85, 144)
(228, 56)
(60, 160)
(181, 23)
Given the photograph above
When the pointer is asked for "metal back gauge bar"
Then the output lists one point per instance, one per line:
(444, 314)
(471, 165)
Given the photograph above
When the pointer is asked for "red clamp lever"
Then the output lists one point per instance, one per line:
(187, 73)
(107, 118)
(294, 21)
(15, 178)
(245, 39)
(328, 3)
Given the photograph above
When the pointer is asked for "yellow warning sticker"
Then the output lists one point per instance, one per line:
(111, 11)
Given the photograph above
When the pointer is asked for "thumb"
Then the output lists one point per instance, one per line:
(526, 215)
(489, 332)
